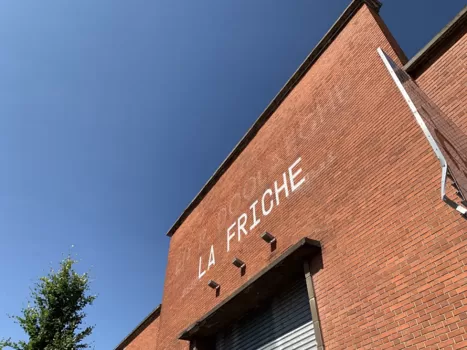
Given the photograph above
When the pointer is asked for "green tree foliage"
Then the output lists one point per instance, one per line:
(54, 321)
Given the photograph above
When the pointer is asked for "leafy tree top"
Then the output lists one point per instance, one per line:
(55, 320)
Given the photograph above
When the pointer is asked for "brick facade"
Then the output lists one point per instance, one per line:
(394, 255)
(445, 82)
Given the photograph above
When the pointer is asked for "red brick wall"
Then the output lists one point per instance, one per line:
(445, 82)
(394, 254)
(147, 339)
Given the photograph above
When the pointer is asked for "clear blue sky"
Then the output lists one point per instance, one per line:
(114, 113)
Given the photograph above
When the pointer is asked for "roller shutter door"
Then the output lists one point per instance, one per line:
(285, 323)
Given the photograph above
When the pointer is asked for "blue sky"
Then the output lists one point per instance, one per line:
(114, 113)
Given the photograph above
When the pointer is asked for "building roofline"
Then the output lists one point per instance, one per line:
(438, 45)
(318, 50)
(140, 328)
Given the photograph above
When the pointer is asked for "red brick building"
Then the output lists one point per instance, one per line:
(325, 228)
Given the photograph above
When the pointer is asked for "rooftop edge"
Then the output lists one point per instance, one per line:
(317, 51)
(139, 328)
(438, 45)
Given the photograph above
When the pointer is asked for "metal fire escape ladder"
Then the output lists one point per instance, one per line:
(445, 173)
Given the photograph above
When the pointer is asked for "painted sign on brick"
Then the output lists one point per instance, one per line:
(272, 197)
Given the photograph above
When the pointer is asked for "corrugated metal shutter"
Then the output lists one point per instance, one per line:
(285, 323)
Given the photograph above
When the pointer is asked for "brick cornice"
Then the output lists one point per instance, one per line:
(438, 45)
